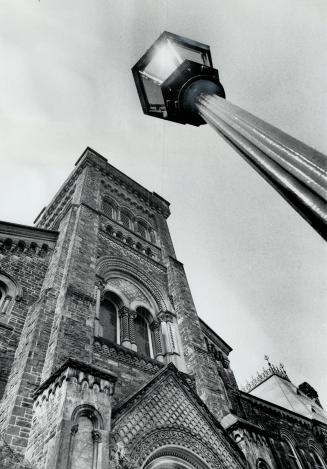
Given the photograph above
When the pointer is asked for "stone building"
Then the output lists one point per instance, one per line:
(104, 360)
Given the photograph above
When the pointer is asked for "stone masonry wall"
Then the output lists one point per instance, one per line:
(28, 270)
(208, 382)
(276, 423)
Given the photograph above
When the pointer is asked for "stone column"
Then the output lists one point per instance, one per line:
(98, 297)
(157, 343)
(168, 332)
(132, 333)
(124, 314)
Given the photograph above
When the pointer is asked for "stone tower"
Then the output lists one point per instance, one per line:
(110, 365)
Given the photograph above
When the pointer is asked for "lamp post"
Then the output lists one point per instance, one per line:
(176, 81)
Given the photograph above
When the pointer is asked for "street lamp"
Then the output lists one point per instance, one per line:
(176, 81)
(171, 74)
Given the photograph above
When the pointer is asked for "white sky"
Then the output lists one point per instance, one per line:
(256, 269)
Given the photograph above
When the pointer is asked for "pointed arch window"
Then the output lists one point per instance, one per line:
(108, 319)
(142, 332)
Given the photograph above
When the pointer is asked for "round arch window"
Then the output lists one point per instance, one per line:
(108, 320)
(142, 333)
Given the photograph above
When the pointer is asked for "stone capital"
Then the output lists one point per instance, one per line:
(124, 311)
(74, 429)
(165, 316)
(155, 325)
(96, 435)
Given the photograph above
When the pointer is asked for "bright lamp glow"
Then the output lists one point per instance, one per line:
(165, 61)
(172, 74)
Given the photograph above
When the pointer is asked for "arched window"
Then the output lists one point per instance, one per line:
(153, 236)
(108, 320)
(9, 292)
(109, 209)
(315, 460)
(142, 229)
(291, 455)
(87, 424)
(125, 219)
(142, 332)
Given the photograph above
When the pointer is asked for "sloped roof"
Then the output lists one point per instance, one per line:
(284, 393)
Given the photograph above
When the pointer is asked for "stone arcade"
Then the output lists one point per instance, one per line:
(104, 360)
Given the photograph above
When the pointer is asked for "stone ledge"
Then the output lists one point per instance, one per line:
(127, 356)
(74, 369)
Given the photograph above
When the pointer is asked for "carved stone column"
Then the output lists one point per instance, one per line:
(124, 314)
(157, 343)
(132, 333)
(168, 332)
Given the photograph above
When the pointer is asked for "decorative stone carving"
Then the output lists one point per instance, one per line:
(96, 435)
(165, 316)
(74, 429)
(80, 373)
(155, 328)
(124, 314)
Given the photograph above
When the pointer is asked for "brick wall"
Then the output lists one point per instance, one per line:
(29, 271)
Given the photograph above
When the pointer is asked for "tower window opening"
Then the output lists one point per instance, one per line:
(108, 320)
(108, 209)
(141, 229)
(142, 332)
(125, 219)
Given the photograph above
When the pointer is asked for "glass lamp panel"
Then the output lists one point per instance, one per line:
(108, 320)
(153, 91)
(164, 62)
(195, 55)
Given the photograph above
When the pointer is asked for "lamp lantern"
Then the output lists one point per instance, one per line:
(172, 74)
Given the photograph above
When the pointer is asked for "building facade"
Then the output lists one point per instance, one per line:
(104, 360)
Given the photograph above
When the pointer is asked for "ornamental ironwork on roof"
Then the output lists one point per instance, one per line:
(271, 370)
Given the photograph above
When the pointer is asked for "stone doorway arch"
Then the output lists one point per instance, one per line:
(174, 457)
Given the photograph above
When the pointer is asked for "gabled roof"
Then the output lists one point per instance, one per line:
(170, 381)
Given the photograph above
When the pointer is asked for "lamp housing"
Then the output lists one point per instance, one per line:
(172, 74)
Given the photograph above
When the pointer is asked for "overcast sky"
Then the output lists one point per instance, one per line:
(257, 271)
